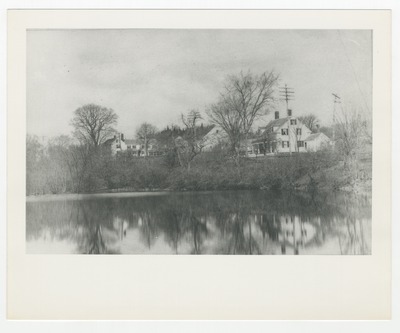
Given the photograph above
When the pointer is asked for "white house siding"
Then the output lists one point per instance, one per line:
(280, 142)
(214, 138)
(292, 137)
(316, 142)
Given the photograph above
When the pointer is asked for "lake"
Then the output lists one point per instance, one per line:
(230, 222)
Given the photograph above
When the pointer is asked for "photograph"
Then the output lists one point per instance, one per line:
(199, 141)
(200, 165)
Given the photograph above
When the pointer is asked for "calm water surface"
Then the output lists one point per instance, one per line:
(237, 222)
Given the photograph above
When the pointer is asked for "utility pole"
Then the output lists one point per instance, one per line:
(336, 100)
(287, 94)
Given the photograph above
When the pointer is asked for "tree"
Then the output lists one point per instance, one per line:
(327, 130)
(93, 123)
(246, 97)
(311, 121)
(34, 159)
(350, 134)
(58, 173)
(191, 143)
(144, 134)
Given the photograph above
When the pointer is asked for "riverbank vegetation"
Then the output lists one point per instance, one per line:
(85, 164)
(61, 168)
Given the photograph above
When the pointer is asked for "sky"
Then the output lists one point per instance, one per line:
(156, 75)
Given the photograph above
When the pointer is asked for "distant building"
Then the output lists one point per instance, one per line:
(287, 135)
(216, 137)
(116, 144)
(317, 141)
(119, 144)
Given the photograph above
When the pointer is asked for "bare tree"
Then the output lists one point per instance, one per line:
(93, 123)
(144, 134)
(311, 121)
(190, 144)
(350, 131)
(245, 98)
(58, 173)
(34, 170)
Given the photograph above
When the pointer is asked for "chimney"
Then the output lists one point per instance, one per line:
(122, 137)
(276, 114)
(289, 112)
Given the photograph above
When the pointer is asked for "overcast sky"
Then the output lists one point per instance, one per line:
(155, 75)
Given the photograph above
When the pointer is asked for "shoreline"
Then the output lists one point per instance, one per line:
(129, 192)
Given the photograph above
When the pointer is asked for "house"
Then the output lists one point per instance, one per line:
(119, 144)
(116, 144)
(287, 135)
(216, 137)
(134, 146)
(317, 141)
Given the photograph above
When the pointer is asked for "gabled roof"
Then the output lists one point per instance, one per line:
(276, 123)
(209, 130)
(314, 136)
(273, 123)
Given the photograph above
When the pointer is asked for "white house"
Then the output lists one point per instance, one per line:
(288, 135)
(214, 138)
(316, 141)
(217, 137)
(118, 143)
(282, 135)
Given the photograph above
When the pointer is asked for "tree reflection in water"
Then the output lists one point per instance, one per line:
(232, 222)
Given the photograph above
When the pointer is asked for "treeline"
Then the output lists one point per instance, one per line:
(64, 167)
(86, 164)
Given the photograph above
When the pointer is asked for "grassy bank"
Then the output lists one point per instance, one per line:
(212, 172)
(209, 171)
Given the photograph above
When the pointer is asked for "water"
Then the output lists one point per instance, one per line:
(234, 222)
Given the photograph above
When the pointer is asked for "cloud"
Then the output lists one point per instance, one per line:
(154, 75)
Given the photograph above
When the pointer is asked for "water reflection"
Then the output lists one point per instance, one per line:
(240, 222)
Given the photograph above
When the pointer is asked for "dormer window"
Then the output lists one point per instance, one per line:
(298, 131)
(285, 131)
(293, 122)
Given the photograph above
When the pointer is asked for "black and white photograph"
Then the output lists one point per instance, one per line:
(199, 141)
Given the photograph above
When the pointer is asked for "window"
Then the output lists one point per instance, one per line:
(298, 131)
(285, 131)
(285, 144)
(300, 143)
(293, 122)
